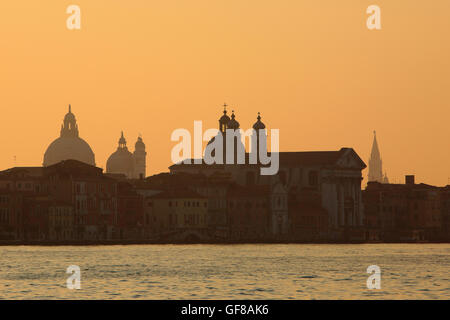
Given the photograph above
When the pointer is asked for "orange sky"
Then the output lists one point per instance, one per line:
(311, 67)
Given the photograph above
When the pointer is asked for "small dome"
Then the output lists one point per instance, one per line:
(233, 124)
(224, 119)
(258, 124)
(120, 161)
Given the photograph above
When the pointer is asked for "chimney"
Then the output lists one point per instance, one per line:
(409, 179)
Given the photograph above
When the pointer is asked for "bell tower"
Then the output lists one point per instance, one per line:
(139, 156)
(375, 163)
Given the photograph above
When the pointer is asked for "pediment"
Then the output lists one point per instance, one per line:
(350, 160)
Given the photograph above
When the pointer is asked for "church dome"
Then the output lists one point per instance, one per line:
(69, 145)
(258, 125)
(65, 148)
(233, 124)
(121, 161)
(224, 119)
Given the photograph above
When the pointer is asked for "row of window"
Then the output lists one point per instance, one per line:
(195, 204)
(90, 188)
(189, 219)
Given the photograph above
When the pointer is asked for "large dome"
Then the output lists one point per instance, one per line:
(65, 148)
(69, 145)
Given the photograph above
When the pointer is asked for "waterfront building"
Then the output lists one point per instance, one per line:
(402, 212)
(61, 220)
(335, 176)
(178, 214)
(257, 212)
(130, 212)
(11, 215)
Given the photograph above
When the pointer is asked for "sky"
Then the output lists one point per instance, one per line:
(311, 67)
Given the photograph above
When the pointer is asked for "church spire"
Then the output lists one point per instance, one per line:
(375, 163)
(375, 150)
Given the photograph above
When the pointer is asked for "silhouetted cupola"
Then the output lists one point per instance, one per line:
(224, 119)
(233, 124)
(122, 142)
(69, 128)
(258, 124)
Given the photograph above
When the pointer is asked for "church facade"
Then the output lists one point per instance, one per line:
(332, 178)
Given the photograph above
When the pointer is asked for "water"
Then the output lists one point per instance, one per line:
(408, 271)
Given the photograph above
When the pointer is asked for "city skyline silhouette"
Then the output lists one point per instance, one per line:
(227, 156)
(144, 68)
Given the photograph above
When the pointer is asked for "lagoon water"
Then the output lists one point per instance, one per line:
(290, 271)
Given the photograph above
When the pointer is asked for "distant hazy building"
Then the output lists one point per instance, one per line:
(69, 145)
(376, 164)
(122, 161)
